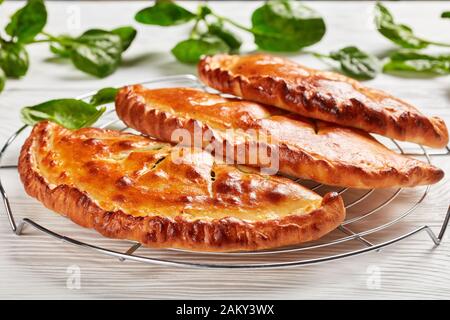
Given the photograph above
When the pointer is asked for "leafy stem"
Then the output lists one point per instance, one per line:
(49, 36)
(40, 41)
(437, 43)
(203, 11)
(317, 54)
(242, 27)
(194, 32)
(232, 22)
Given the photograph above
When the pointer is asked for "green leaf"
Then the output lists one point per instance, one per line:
(232, 40)
(416, 62)
(2, 79)
(70, 113)
(164, 13)
(191, 50)
(98, 54)
(28, 21)
(400, 34)
(282, 25)
(445, 14)
(126, 34)
(356, 63)
(13, 59)
(103, 96)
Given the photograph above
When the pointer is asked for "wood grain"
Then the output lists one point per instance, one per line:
(35, 266)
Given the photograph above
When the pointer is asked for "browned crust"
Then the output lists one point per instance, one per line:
(227, 234)
(410, 125)
(132, 108)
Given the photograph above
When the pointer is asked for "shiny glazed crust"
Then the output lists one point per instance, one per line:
(321, 95)
(309, 149)
(225, 234)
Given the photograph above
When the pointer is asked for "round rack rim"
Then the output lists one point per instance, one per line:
(128, 255)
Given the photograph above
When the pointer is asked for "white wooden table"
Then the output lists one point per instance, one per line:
(35, 266)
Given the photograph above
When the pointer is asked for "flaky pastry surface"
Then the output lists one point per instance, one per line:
(311, 149)
(321, 95)
(132, 187)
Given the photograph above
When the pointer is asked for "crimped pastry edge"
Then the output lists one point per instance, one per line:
(429, 131)
(137, 114)
(226, 234)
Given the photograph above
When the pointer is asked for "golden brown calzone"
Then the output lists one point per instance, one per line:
(311, 149)
(321, 95)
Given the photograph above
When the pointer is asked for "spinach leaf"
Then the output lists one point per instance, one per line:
(98, 54)
(103, 96)
(13, 59)
(445, 14)
(191, 50)
(28, 21)
(356, 63)
(126, 34)
(2, 79)
(70, 113)
(416, 62)
(400, 34)
(232, 40)
(164, 13)
(282, 25)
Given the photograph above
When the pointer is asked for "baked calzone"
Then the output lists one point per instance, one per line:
(321, 95)
(306, 148)
(132, 187)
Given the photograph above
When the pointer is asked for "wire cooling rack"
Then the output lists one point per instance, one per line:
(375, 218)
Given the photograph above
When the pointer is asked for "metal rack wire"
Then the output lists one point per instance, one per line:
(355, 229)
